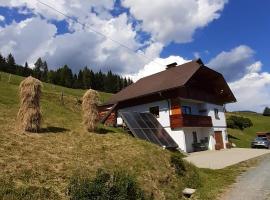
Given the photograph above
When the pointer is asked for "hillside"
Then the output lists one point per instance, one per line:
(39, 166)
(243, 138)
(50, 158)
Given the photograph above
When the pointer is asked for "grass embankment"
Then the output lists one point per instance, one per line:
(39, 166)
(244, 138)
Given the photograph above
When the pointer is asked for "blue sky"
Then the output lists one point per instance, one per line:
(231, 37)
(241, 22)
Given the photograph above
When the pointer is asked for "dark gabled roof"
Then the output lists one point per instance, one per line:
(171, 78)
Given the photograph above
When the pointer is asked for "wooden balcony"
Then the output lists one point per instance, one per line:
(179, 121)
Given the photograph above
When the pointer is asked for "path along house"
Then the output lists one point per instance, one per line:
(181, 107)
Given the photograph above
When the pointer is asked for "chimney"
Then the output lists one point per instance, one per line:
(169, 66)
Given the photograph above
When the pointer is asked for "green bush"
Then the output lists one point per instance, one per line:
(192, 177)
(178, 164)
(189, 173)
(236, 122)
(118, 186)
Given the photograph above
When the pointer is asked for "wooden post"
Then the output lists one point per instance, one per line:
(9, 78)
(62, 98)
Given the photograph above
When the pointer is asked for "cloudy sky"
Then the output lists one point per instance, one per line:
(231, 37)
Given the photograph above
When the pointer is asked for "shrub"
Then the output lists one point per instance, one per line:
(118, 186)
(266, 111)
(189, 173)
(236, 122)
(192, 177)
(179, 164)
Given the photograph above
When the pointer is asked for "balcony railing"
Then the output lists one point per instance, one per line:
(179, 121)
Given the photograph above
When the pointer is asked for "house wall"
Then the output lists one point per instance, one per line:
(201, 134)
(164, 111)
(221, 122)
(218, 124)
(183, 136)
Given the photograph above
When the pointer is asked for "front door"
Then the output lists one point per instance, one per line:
(219, 140)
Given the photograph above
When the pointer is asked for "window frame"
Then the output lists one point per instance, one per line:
(186, 108)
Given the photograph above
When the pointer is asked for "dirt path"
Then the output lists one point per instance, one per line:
(253, 184)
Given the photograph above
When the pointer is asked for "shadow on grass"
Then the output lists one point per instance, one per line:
(233, 137)
(102, 130)
(53, 129)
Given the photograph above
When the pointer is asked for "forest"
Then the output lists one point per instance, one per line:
(84, 79)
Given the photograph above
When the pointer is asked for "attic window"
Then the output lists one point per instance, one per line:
(155, 111)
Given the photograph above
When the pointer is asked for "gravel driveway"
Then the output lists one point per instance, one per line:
(224, 158)
(253, 184)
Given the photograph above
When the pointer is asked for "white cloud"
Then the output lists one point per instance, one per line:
(252, 92)
(173, 20)
(25, 38)
(249, 84)
(79, 48)
(255, 67)
(233, 64)
(69, 7)
(157, 65)
(2, 18)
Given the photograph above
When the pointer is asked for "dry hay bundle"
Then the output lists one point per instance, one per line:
(90, 110)
(29, 114)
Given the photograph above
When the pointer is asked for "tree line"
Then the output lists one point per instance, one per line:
(84, 79)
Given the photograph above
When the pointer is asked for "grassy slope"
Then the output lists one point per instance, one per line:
(48, 160)
(243, 138)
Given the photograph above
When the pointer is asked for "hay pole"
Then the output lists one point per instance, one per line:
(29, 115)
(9, 78)
(89, 108)
(62, 98)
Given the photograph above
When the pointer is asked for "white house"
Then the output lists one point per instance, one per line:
(187, 100)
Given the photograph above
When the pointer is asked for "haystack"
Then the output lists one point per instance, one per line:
(89, 108)
(29, 115)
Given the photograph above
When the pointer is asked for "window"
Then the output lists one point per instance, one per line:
(186, 110)
(216, 113)
(154, 110)
(195, 139)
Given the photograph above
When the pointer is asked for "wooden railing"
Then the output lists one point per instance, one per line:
(179, 121)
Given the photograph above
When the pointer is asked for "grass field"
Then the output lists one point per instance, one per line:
(243, 138)
(39, 166)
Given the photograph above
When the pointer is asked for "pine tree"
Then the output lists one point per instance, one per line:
(66, 76)
(10, 60)
(80, 79)
(100, 79)
(266, 111)
(11, 68)
(44, 76)
(37, 73)
(75, 81)
(2, 63)
(86, 78)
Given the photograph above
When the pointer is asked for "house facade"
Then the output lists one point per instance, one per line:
(187, 100)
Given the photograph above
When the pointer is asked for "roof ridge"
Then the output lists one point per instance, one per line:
(170, 69)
